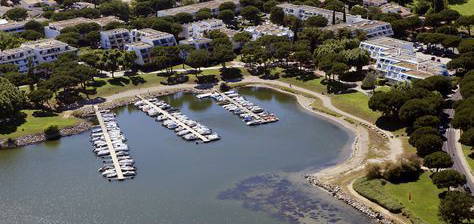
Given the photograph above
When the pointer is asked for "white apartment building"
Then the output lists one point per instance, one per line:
(199, 28)
(116, 38)
(372, 28)
(34, 53)
(398, 61)
(197, 42)
(375, 3)
(269, 29)
(13, 26)
(303, 12)
(194, 8)
(142, 41)
(54, 28)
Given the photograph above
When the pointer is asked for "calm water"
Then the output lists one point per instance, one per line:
(253, 175)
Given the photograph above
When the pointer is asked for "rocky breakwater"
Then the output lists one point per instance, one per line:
(40, 137)
(336, 192)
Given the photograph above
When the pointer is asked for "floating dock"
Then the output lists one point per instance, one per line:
(171, 117)
(110, 146)
(256, 116)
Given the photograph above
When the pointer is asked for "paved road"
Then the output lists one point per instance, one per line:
(454, 148)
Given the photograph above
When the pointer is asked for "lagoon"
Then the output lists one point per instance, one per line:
(253, 175)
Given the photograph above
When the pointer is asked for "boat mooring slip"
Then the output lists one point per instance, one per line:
(109, 144)
(172, 119)
(249, 112)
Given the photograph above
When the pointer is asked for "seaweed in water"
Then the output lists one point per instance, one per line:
(278, 197)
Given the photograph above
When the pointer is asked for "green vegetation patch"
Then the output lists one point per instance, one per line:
(465, 9)
(424, 201)
(467, 150)
(357, 104)
(374, 191)
(34, 125)
(314, 85)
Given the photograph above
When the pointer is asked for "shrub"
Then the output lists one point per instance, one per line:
(408, 168)
(373, 171)
(52, 132)
(369, 81)
(373, 190)
(224, 87)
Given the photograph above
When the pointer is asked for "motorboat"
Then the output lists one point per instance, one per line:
(190, 137)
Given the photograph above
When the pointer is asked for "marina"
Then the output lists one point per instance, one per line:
(172, 119)
(250, 113)
(184, 183)
(109, 145)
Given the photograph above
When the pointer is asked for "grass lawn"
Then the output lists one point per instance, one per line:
(464, 9)
(313, 85)
(35, 125)
(424, 193)
(124, 83)
(357, 104)
(467, 150)
(383, 88)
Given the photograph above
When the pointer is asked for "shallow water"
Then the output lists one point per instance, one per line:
(252, 175)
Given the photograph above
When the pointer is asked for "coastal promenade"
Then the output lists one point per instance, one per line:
(110, 146)
(168, 115)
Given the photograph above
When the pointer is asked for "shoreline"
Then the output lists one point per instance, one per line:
(354, 162)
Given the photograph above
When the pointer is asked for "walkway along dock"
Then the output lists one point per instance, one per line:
(110, 146)
(240, 106)
(250, 113)
(171, 117)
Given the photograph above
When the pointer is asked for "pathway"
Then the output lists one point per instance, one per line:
(110, 146)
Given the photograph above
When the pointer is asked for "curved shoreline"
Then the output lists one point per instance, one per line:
(354, 162)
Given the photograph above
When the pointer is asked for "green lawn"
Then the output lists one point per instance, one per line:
(357, 104)
(424, 197)
(35, 125)
(383, 88)
(124, 83)
(313, 85)
(467, 150)
(464, 9)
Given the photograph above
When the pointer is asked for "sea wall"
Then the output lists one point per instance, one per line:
(337, 193)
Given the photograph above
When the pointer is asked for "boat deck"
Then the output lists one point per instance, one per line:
(110, 146)
(240, 106)
(171, 117)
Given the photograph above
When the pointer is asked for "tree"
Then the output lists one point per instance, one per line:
(110, 60)
(227, 16)
(369, 81)
(428, 144)
(227, 6)
(359, 10)
(242, 38)
(466, 22)
(389, 103)
(277, 15)
(30, 35)
(448, 178)
(34, 25)
(17, 14)
(467, 137)
(420, 132)
(12, 100)
(415, 108)
(204, 13)
(52, 133)
(222, 51)
(197, 59)
(357, 58)
(316, 21)
(437, 160)
(184, 17)
(40, 96)
(143, 9)
(8, 41)
(127, 60)
(115, 8)
(456, 207)
(251, 13)
(426, 121)
(269, 5)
